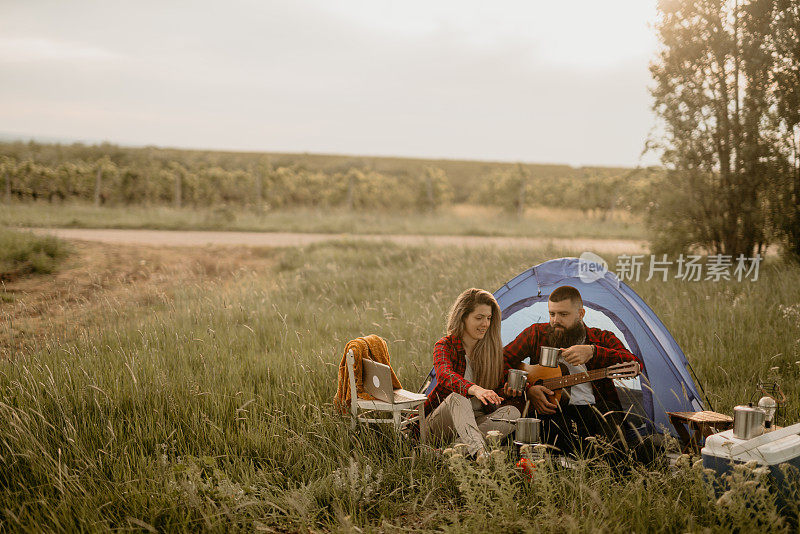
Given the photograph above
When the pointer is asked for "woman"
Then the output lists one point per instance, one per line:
(469, 367)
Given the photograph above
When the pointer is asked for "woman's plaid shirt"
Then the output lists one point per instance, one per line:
(450, 362)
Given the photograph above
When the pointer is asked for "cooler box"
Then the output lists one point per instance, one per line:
(771, 449)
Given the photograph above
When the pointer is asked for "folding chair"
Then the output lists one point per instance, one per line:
(360, 409)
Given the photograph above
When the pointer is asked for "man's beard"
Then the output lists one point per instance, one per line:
(567, 337)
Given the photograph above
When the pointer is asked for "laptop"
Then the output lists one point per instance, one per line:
(378, 383)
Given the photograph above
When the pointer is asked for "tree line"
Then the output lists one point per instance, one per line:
(111, 175)
(172, 183)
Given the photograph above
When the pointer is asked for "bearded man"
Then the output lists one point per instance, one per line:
(582, 408)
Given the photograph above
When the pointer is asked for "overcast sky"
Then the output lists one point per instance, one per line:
(560, 82)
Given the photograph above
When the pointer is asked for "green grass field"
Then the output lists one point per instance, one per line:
(454, 220)
(212, 409)
(23, 253)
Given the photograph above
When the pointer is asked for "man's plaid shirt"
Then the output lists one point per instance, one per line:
(450, 362)
(610, 350)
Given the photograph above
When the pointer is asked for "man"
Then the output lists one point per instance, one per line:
(582, 405)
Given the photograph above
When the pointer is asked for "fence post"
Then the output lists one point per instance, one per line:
(429, 186)
(259, 190)
(350, 187)
(178, 192)
(97, 185)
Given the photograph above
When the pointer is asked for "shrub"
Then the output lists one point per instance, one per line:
(24, 253)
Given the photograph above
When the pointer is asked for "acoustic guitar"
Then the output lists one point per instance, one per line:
(557, 378)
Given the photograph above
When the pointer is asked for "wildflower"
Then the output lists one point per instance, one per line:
(527, 467)
(456, 460)
(725, 499)
(761, 471)
(698, 465)
(790, 312)
(461, 449)
(493, 437)
(752, 464)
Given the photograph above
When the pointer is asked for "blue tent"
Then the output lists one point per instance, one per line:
(666, 384)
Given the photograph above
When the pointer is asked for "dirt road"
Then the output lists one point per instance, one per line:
(275, 239)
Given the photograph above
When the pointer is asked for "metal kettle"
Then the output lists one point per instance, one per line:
(748, 421)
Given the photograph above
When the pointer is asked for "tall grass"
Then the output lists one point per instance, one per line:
(213, 410)
(454, 220)
(23, 253)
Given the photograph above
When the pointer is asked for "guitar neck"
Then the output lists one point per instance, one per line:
(573, 380)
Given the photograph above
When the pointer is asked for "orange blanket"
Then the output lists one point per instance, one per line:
(371, 347)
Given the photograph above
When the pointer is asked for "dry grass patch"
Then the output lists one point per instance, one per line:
(101, 279)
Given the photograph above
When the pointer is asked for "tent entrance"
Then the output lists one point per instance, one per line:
(665, 385)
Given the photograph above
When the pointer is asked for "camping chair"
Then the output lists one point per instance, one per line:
(360, 409)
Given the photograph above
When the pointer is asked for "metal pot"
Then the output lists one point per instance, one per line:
(517, 379)
(748, 422)
(529, 430)
(548, 356)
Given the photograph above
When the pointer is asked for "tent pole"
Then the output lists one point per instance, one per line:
(708, 401)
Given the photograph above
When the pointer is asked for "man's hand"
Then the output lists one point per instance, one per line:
(538, 396)
(577, 354)
(486, 396)
(511, 392)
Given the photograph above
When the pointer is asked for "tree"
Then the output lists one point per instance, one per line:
(434, 189)
(508, 188)
(102, 166)
(593, 192)
(786, 197)
(712, 92)
(7, 169)
(523, 176)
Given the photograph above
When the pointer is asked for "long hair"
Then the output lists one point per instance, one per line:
(486, 359)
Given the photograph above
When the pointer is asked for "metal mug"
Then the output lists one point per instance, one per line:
(748, 422)
(517, 379)
(548, 356)
(529, 430)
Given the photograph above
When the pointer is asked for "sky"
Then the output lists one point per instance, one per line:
(531, 81)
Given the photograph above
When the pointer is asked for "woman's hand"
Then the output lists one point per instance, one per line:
(486, 396)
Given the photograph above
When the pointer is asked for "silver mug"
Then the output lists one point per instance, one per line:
(548, 356)
(748, 422)
(529, 430)
(517, 379)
